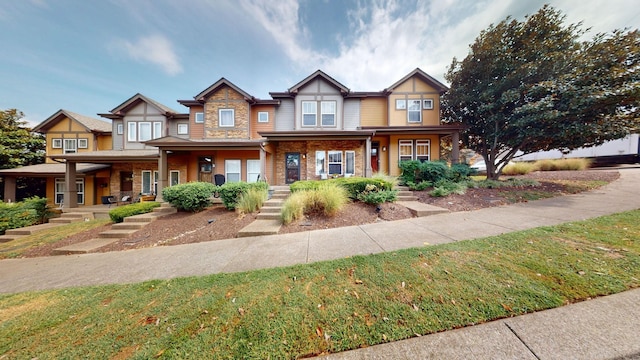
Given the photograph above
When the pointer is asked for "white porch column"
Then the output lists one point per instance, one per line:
(263, 164)
(163, 174)
(70, 191)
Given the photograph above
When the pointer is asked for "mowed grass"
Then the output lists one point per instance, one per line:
(15, 248)
(329, 306)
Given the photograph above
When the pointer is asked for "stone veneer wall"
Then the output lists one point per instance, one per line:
(226, 98)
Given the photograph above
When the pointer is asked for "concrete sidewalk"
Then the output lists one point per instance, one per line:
(251, 253)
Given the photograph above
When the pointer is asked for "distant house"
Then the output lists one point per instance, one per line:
(316, 129)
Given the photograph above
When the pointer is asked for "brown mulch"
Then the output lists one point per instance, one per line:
(217, 223)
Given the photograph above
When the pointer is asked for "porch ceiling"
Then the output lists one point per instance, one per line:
(110, 156)
(46, 170)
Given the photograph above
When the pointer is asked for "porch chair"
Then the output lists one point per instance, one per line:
(219, 179)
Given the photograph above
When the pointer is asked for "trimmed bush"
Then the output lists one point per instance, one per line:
(118, 214)
(39, 204)
(193, 196)
(16, 215)
(358, 185)
(306, 185)
(433, 171)
(230, 193)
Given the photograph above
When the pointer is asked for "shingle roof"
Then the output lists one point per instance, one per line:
(88, 122)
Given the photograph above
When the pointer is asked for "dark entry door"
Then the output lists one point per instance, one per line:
(375, 156)
(292, 167)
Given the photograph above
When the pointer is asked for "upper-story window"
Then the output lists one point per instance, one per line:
(427, 104)
(56, 143)
(70, 146)
(144, 130)
(120, 129)
(414, 111)
(328, 113)
(263, 117)
(227, 117)
(199, 117)
(83, 143)
(309, 113)
(183, 129)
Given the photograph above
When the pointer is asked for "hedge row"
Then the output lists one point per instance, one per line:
(356, 188)
(118, 214)
(29, 212)
(414, 172)
(196, 196)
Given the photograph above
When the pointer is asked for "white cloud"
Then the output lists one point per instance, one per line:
(153, 49)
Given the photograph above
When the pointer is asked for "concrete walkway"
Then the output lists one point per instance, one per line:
(603, 328)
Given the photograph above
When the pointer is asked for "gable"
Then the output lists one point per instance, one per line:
(319, 86)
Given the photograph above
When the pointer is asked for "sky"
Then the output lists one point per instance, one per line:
(89, 56)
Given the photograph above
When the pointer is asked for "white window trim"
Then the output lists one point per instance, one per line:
(249, 177)
(418, 110)
(83, 143)
(329, 162)
(401, 144)
(401, 104)
(183, 129)
(260, 116)
(157, 130)
(119, 129)
(199, 115)
(56, 143)
(67, 150)
(142, 124)
(346, 162)
(226, 169)
(315, 113)
(233, 117)
(427, 104)
(132, 134)
(153, 181)
(334, 113)
(423, 142)
(61, 185)
(321, 168)
(171, 174)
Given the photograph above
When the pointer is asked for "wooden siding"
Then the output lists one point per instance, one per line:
(373, 111)
(285, 117)
(414, 89)
(258, 126)
(196, 130)
(393, 156)
(70, 129)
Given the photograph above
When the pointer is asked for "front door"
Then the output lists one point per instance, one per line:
(375, 159)
(126, 181)
(292, 167)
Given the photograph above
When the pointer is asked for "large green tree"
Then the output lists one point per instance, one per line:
(533, 85)
(19, 146)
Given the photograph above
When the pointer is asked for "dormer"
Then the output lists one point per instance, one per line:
(69, 133)
(137, 120)
(415, 100)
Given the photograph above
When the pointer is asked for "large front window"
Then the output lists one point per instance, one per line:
(149, 182)
(309, 112)
(405, 150)
(414, 150)
(232, 170)
(143, 130)
(422, 150)
(335, 162)
(60, 187)
(253, 170)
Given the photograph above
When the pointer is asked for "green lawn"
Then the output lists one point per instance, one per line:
(328, 306)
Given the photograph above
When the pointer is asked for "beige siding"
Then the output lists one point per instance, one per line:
(373, 112)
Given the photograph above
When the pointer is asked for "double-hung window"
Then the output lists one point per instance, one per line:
(422, 150)
(309, 113)
(414, 111)
(226, 117)
(405, 150)
(335, 162)
(70, 146)
(174, 177)
(157, 129)
(60, 186)
(232, 170)
(328, 113)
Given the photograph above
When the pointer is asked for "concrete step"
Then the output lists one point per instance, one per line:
(29, 229)
(165, 210)
(406, 198)
(270, 209)
(401, 188)
(84, 247)
(128, 226)
(7, 238)
(143, 218)
(279, 196)
(260, 228)
(274, 202)
(404, 193)
(268, 216)
(116, 234)
(421, 209)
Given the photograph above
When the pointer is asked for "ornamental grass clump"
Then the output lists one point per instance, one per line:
(328, 199)
(252, 200)
(519, 168)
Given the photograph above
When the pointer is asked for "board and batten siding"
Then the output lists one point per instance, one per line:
(351, 114)
(285, 116)
(118, 139)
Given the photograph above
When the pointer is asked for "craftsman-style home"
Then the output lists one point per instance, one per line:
(316, 129)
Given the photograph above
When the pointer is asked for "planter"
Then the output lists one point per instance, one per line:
(145, 198)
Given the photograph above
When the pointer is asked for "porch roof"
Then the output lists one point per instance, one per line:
(51, 169)
(177, 144)
(317, 135)
(434, 129)
(110, 156)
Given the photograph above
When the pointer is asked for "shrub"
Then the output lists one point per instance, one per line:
(252, 200)
(293, 207)
(460, 172)
(421, 186)
(117, 215)
(39, 204)
(193, 196)
(519, 168)
(495, 184)
(410, 171)
(446, 188)
(230, 193)
(16, 215)
(433, 171)
(306, 185)
(358, 185)
(378, 197)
